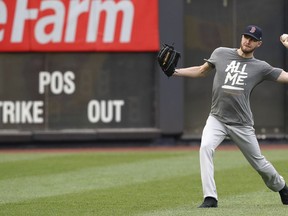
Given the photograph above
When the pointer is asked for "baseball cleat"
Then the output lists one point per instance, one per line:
(284, 195)
(209, 202)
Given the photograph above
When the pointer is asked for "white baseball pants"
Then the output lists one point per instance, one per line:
(244, 136)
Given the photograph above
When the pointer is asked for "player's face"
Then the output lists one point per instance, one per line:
(249, 44)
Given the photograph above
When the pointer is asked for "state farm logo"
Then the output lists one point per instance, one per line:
(27, 23)
(74, 10)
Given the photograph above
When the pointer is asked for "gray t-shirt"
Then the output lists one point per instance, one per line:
(234, 80)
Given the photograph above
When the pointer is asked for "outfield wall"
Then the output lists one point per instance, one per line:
(70, 72)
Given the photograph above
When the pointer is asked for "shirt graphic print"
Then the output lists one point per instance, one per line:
(236, 76)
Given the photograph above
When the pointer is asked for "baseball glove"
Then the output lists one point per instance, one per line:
(168, 58)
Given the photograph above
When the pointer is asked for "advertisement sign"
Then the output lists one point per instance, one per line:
(78, 25)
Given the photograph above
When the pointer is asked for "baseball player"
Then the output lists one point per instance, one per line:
(237, 72)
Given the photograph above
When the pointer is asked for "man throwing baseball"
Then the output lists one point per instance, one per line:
(237, 73)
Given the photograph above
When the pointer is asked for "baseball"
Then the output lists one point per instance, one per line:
(284, 37)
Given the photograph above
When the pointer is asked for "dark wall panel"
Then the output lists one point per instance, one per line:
(77, 91)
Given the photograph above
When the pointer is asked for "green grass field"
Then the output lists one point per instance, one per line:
(138, 183)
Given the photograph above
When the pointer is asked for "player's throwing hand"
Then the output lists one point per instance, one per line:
(284, 40)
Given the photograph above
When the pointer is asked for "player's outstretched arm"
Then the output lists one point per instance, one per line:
(194, 72)
(283, 78)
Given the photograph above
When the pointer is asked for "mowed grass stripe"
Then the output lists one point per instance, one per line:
(11, 157)
(123, 200)
(41, 163)
(21, 188)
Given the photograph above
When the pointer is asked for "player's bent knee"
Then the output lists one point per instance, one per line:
(206, 150)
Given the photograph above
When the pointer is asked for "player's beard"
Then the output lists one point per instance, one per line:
(247, 51)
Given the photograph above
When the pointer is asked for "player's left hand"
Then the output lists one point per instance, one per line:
(284, 40)
(168, 58)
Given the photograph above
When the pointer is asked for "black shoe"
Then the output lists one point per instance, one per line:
(284, 195)
(209, 202)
